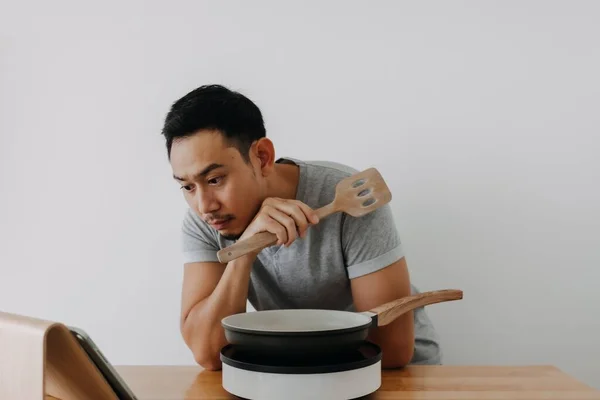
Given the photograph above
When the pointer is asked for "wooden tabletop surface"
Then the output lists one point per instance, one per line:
(413, 382)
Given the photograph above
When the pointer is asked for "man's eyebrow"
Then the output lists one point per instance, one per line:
(202, 173)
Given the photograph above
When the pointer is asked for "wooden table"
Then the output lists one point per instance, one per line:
(413, 382)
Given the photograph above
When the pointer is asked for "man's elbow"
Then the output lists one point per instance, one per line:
(207, 360)
(205, 355)
(208, 357)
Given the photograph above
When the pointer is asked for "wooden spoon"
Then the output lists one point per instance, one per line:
(355, 195)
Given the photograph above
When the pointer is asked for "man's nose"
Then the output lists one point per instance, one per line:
(207, 203)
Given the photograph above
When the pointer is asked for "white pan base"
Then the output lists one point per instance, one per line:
(343, 385)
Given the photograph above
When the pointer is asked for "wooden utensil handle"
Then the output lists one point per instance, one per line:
(326, 211)
(388, 312)
(253, 243)
(261, 240)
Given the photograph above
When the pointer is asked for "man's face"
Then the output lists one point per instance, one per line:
(217, 183)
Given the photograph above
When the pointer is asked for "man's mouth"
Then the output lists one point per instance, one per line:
(219, 224)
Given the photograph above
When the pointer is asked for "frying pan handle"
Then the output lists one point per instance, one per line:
(388, 312)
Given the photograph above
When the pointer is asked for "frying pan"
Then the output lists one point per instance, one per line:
(309, 331)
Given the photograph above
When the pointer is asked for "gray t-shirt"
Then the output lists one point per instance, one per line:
(315, 272)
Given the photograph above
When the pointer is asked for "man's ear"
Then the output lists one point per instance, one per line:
(264, 152)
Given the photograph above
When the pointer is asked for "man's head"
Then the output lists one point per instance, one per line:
(217, 146)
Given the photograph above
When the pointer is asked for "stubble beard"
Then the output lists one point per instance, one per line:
(231, 237)
(235, 237)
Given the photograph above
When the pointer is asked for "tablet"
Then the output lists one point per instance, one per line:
(113, 378)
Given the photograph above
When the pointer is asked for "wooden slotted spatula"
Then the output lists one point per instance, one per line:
(355, 195)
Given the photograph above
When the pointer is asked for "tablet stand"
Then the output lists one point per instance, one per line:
(41, 360)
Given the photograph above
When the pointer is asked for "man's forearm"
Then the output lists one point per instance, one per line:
(396, 341)
(202, 328)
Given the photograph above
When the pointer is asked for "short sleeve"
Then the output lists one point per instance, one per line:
(198, 243)
(370, 242)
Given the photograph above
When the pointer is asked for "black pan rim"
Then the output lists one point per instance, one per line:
(257, 332)
(321, 369)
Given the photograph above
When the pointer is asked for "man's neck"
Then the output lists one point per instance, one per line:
(284, 183)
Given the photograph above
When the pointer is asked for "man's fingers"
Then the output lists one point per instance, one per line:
(287, 222)
(300, 220)
(293, 216)
(310, 214)
(279, 230)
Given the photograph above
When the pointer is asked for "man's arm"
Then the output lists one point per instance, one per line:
(212, 291)
(397, 338)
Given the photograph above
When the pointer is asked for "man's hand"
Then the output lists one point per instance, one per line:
(286, 218)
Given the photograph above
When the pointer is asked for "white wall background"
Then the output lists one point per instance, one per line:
(482, 116)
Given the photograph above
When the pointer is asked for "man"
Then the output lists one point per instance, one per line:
(235, 187)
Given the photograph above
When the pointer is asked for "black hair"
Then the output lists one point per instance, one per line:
(215, 107)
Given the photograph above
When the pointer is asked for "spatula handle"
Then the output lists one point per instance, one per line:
(261, 240)
(243, 247)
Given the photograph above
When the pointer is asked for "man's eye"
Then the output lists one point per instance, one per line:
(215, 181)
(187, 188)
